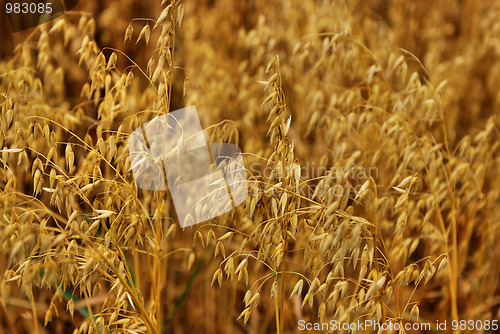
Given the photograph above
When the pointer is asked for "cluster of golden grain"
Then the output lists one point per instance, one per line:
(371, 142)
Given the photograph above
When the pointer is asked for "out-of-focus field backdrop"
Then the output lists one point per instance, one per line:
(370, 133)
